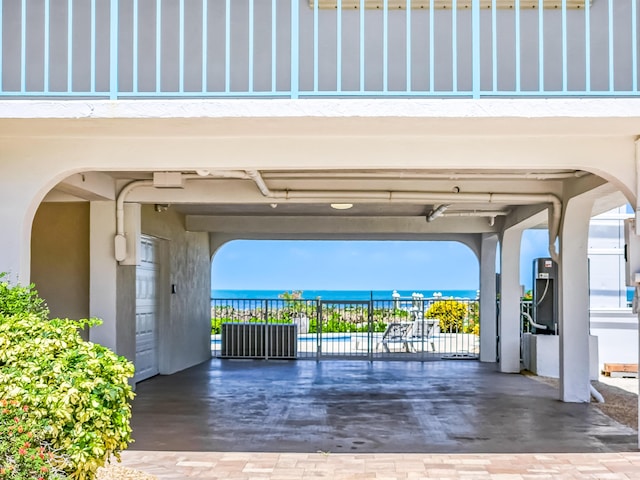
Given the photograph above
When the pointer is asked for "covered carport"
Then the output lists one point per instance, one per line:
(247, 170)
(455, 406)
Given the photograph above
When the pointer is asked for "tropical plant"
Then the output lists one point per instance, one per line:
(24, 454)
(473, 319)
(16, 299)
(75, 394)
(451, 313)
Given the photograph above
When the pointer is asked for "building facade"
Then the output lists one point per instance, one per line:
(436, 120)
(612, 319)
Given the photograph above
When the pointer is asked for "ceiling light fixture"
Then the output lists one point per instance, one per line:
(341, 206)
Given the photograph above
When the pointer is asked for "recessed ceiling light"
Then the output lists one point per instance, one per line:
(342, 206)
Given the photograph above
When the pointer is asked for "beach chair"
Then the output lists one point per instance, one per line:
(422, 332)
(395, 334)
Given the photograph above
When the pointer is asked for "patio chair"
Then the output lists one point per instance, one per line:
(422, 331)
(395, 334)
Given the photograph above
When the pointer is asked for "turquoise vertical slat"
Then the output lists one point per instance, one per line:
(362, 45)
(23, 49)
(541, 45)
(587, 45)
(227, 47)
(205, 44)
(46, 46)
(432, 49)
(611, 51)
(181, 47)
(315, 45)
(339, 46)
(408, 47)
(251, 27)
(494, 47)
(69, 46)
(274, 46)
(385, 45)
(113, 50)
(475, 39)
(517, 48)
(135, 46)
(454, 45)
(564, 46)
(93, 45)
(295, 47)
(158, 45)
(634, 46)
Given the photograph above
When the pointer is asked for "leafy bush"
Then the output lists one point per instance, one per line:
(451, 313)
(473, 319)
(24, 454)
(15, 299)
(75, 393)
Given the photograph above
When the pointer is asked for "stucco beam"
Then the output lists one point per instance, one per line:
(531, 115)
(162, 149)
(471, 240)
(527, 216)
(91, 186)
(336, 226)
(586, 184)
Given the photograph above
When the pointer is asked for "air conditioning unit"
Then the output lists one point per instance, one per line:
(259, 340)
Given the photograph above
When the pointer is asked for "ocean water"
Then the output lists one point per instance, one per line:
(339, 294)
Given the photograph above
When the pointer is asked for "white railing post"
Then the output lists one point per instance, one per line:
(295, 47)
(475, 28)
(113, 51)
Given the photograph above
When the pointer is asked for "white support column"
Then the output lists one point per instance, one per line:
(574, 300)
(510, 300)
(488, 320)
(103, 273)
(15, 241)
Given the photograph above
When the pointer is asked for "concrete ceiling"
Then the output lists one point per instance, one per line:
(216, 196)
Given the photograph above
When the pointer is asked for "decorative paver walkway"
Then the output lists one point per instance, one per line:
(379, 466)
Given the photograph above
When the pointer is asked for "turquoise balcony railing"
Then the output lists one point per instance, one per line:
(330, 48)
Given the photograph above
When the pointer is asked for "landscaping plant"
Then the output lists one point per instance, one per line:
(74, 395)
(451, 313)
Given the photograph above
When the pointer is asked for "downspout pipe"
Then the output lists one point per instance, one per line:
(596, 394)
(120, 240)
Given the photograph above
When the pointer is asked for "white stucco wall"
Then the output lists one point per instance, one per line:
(184, 332)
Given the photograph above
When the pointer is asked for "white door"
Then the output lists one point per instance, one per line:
(147, 309)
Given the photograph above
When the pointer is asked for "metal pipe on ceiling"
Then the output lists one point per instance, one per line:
(440, 198)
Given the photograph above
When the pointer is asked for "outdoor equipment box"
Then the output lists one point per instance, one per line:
(259, 340)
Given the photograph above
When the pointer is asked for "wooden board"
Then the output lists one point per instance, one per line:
(610, 368)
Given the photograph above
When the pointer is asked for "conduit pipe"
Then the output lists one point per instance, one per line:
(431, 175)
(357, 196)
(120, 240)
(438, 211)
(477, 213)
(354, 196)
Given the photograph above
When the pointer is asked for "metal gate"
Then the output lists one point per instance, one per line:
(415, 328)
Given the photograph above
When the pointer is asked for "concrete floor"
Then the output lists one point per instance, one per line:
(354, 407)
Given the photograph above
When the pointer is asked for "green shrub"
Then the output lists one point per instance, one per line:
(451, 313)
(15, 299)
(24, 454)
(76, 393)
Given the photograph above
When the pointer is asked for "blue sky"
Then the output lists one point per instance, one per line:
(358, 265)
